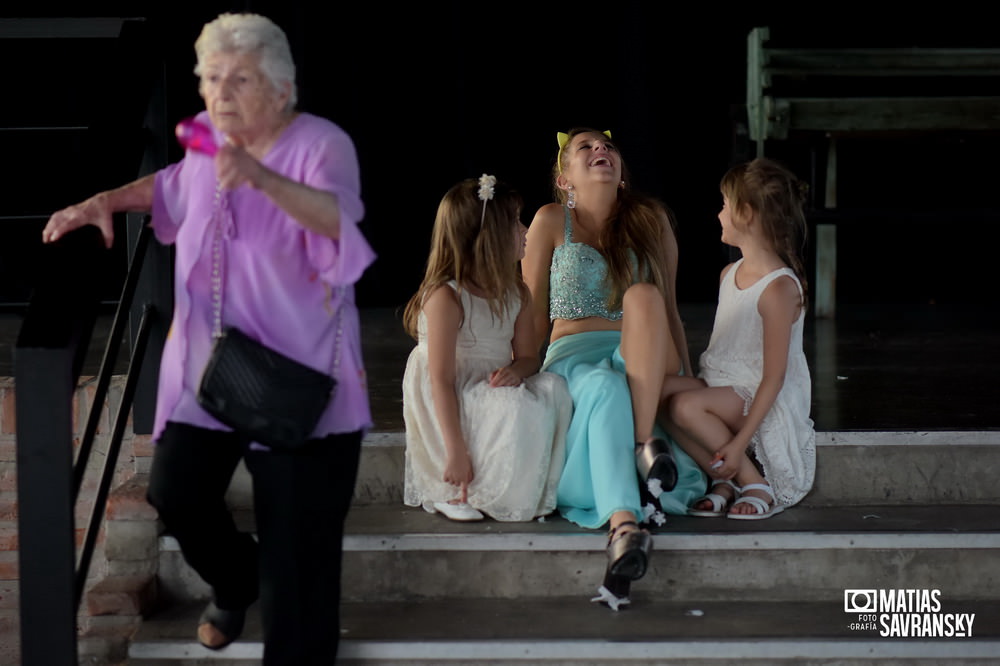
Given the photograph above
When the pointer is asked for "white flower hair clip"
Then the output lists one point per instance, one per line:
(486, 185)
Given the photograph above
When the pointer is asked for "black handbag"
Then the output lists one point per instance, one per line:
(255, 390)
(264, 395)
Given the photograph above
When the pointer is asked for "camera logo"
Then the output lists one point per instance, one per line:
(860, 601)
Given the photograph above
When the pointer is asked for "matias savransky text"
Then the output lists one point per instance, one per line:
(905, 613)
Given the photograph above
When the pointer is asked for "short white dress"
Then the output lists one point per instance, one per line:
(516, 435)
(785, 443)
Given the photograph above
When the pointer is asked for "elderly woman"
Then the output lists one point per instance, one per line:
(280, 202)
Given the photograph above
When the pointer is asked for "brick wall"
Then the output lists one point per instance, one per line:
(122, 574)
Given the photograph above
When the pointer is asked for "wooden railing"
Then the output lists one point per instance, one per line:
(831, 93)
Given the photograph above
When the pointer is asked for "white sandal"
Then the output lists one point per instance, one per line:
(719, 503)
(762, 509)
(458, 511)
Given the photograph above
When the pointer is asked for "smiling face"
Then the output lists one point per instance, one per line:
(240, 99)
(590, 157)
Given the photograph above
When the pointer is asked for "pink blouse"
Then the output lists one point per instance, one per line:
(281, 281)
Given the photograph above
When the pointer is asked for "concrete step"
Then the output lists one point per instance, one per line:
(852, 468)
(420, 589)
(397, 553)
(563, 631)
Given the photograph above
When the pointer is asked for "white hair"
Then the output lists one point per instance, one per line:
(250, 33)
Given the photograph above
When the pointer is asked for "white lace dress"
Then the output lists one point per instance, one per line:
(785, 443)
(516, 435)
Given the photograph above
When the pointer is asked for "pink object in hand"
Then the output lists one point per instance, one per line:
(196, 136)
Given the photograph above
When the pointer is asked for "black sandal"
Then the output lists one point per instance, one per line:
(229, 623)
(656, 463)
(628, 552)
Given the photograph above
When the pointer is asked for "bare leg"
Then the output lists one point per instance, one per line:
(672, 385)
(704, 420)
(677, 383)
(649, 351)
(619, 517)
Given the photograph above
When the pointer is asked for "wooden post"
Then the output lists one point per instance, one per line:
(756, 114)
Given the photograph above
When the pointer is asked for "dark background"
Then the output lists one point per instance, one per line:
(439, 91)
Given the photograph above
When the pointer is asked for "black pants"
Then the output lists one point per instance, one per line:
(300, 502)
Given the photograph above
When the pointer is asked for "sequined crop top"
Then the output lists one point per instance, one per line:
(577, 284)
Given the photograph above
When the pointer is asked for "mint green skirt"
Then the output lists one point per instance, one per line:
(599, 476)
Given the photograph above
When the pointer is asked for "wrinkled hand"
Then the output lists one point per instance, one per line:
(234, 167)
(458, 472)
(505, 376)
(93, 211)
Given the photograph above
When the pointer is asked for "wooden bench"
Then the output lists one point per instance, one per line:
(826, 93)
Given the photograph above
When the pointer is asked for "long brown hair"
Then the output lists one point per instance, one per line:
(473, 249)
(777, 197)
(636, 230)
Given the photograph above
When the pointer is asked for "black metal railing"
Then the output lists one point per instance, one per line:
(48, 359)
(72, 278)
(114, 343)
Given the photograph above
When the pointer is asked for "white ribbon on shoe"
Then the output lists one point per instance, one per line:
(610, 599)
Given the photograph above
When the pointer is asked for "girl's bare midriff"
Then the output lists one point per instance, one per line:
(564, 327)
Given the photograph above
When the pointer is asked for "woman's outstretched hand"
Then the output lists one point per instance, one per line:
(94, 210)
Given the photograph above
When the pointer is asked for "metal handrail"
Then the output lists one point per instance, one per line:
(112, 347)
(49, 357)
(110, 354)
(114, 446)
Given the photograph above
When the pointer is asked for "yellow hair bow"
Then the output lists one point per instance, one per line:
(562, 138)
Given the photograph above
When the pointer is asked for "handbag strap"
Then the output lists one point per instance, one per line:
(218, 272)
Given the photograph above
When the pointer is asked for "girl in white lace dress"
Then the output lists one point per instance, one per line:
(485, 431)
(745, 420)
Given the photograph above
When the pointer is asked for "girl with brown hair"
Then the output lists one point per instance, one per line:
(485, 431)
